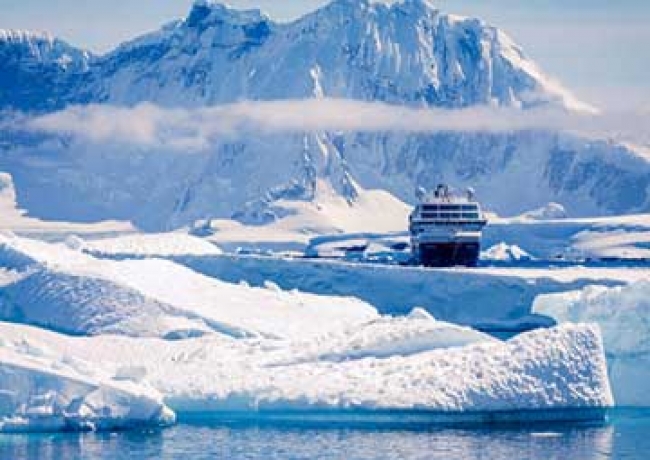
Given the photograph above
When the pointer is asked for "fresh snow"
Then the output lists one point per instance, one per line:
(623, 314)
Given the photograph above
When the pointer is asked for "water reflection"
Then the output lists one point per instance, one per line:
(247, 442)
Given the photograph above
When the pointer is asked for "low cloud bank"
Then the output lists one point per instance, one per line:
(196, 129)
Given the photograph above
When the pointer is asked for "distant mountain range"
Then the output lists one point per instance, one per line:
(408, 53)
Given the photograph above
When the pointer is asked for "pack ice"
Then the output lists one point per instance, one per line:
(147, 340)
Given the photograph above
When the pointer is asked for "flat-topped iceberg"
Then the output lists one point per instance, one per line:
(547, 373)
(148, 245)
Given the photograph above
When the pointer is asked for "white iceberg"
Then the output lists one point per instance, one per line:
(623, 314)
(504, 252)
(44, 392)
(58, 288)
(547, 373)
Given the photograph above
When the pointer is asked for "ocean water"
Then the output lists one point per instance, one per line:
(625, 436)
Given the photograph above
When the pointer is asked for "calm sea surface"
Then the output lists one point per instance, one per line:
(626, 436)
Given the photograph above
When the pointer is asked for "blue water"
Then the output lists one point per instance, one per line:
(626, 436)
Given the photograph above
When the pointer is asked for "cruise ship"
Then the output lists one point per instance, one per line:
(446, 229)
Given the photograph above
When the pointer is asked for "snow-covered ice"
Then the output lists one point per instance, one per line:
(187, 343)
(556, 370)
(134, 328)
(615, 237)
(149, 245)
(623, 314)
(505, 253)
(63, 289)
(455, 295)
(43, 391)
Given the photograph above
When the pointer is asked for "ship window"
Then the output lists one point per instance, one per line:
(450, 207)
(472, 215)
(472, 207)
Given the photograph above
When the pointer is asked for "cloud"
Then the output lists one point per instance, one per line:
(196, 129)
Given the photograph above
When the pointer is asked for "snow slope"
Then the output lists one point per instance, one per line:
(545, 375)
(623, 314)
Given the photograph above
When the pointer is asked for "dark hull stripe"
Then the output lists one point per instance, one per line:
(449, 254)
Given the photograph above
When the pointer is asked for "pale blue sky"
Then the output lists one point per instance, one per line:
(598, 48)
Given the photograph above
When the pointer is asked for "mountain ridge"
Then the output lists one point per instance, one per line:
(405, 54)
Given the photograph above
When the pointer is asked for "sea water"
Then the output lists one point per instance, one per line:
(625, 436)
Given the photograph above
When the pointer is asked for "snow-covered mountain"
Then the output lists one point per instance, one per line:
(408, 53)
(37, 70)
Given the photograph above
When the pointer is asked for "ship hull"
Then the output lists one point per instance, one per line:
(455, 254)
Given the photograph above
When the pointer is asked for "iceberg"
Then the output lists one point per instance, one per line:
(39, 393)
(66, 290)
(149, 245)
(559, 373)
(623, 314)
(149, 340)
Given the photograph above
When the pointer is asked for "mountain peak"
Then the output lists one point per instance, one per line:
(23, 36)
(209, 12)
(40, 47)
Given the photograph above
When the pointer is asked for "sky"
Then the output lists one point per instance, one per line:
(597, 48)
